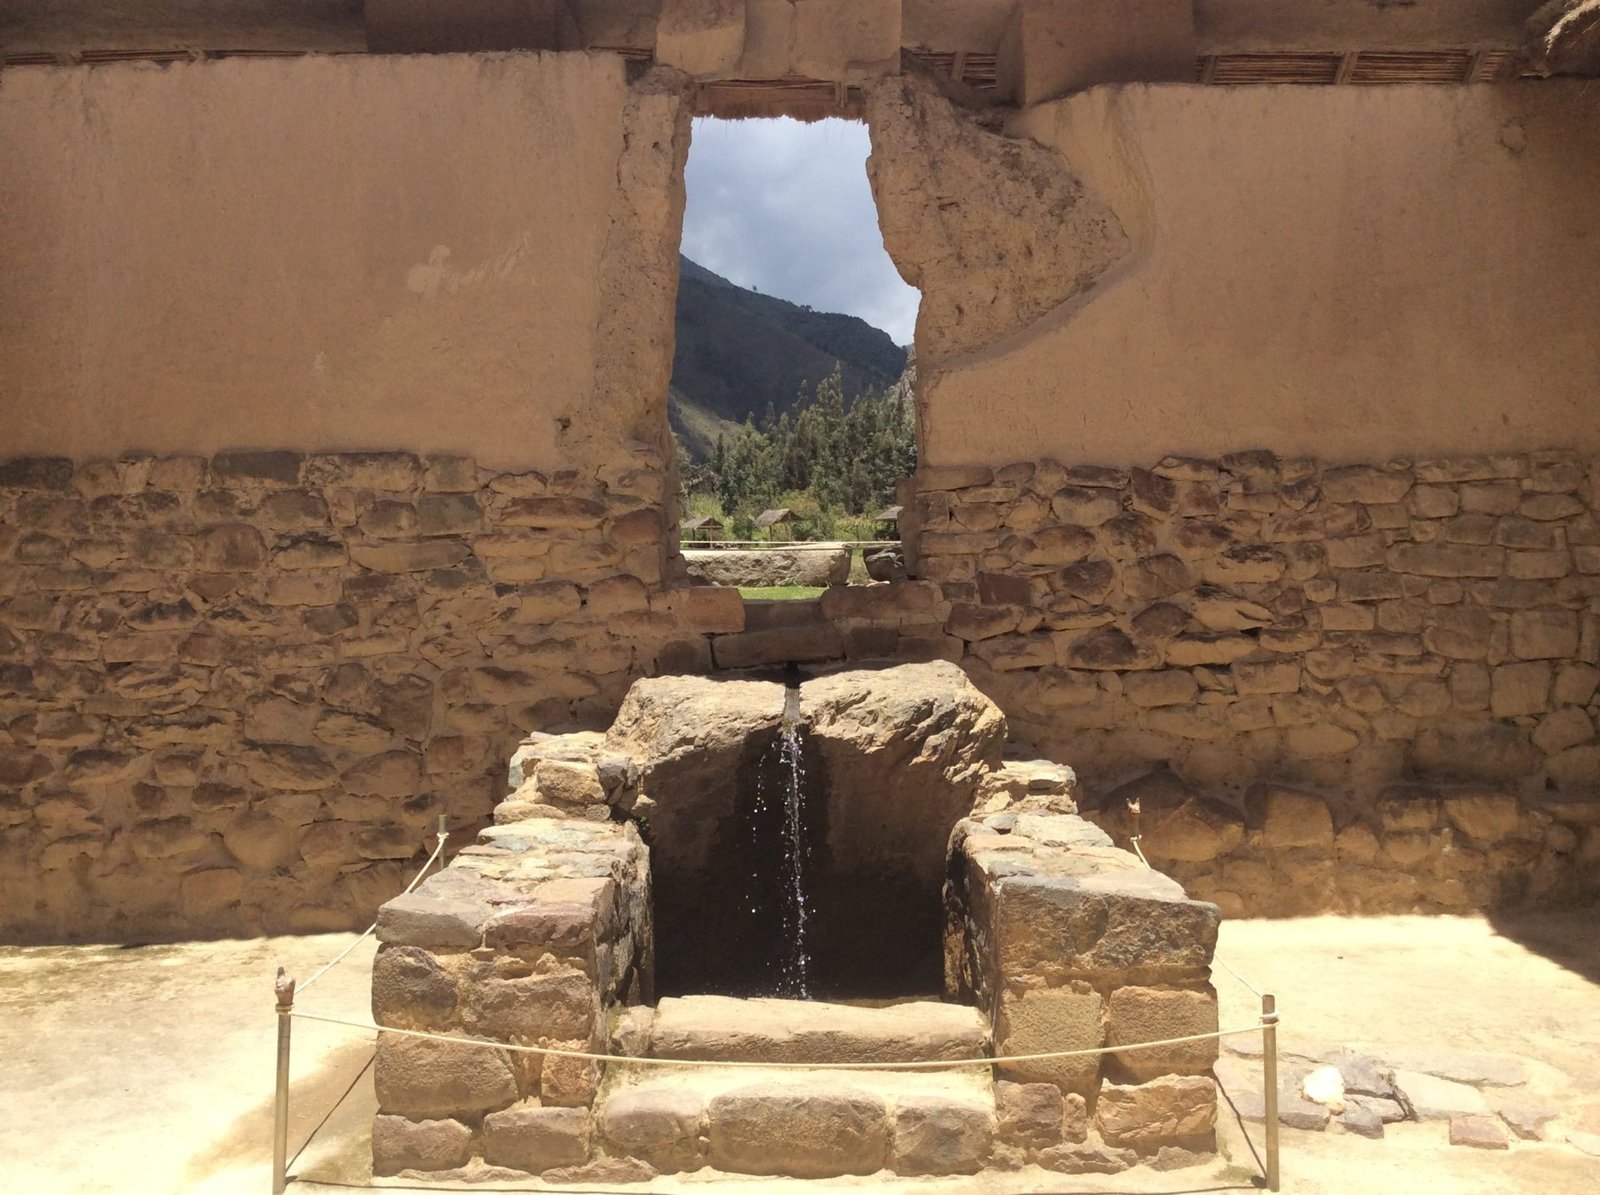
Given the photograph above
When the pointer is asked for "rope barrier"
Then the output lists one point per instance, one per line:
(312, 1135)
(367, 933)
(1223, 964)
(926, 1064)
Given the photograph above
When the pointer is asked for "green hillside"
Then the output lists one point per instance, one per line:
(738, 351)
(697, 429)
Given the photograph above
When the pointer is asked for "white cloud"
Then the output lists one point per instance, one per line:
(784, 207)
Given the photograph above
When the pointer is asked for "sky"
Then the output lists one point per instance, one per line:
(784, 207)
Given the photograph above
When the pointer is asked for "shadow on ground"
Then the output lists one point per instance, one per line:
(314, 1101)
(1551, 935)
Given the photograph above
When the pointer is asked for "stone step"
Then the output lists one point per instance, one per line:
(720, 1028)
(798, 1123)
(771, 614)
(804, 644)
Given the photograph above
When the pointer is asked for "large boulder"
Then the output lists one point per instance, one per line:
(672, 720)
(902, 751)
(904, 728)
(812, 564)
(1015, 234)
(696, 743)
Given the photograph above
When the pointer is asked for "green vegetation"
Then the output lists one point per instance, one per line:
(782, 593)
(834, 466)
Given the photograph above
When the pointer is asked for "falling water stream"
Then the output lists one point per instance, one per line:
(780, 822)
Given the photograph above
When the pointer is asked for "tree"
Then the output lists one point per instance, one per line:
(826, 461)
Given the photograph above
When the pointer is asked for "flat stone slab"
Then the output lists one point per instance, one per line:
(1433, 1098)
(1478, 1132)
(1585, 1134)
(720, 1028)
(1527, 1117)
(1387, 1111)
(1241, 1083)
(1463, 1066)
(1293, 1112)
(805, 1124)
(1363, 1074)
(1361, 1120)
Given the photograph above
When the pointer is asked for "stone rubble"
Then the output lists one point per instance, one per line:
(1488, 1096)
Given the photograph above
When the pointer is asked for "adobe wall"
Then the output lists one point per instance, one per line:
(335, 253)
(1351, 272)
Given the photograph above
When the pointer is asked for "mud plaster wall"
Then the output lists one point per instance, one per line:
(335, 253)
(1354, 272)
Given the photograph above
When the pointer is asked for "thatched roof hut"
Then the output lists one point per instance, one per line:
(781, 516)
(703, 527)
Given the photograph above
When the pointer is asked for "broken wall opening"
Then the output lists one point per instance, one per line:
(790, 316)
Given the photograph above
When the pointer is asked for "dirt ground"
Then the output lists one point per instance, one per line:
(150, 1068)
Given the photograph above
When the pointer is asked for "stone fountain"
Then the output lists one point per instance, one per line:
(847, 869)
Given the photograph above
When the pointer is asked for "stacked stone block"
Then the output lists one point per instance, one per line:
(1071, 944)
(1413, 648)
(235, 692)
(530, 937)
(804, 1125)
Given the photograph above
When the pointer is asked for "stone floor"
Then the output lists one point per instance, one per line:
(153, 1065)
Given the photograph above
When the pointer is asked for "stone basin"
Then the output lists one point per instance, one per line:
(726, 840)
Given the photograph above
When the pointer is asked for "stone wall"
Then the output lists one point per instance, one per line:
(243, 661)
(1354, 687)
(1067, 943)
(499, 950)
(236, 691)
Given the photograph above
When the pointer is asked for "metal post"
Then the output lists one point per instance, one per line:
(444, 826)
(1269, 1081)
(284, 988)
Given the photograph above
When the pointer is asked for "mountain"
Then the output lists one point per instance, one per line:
(739, 350)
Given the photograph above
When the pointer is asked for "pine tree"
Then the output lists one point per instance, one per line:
(829, 459)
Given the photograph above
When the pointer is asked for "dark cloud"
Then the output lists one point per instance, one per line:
(784, 207)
